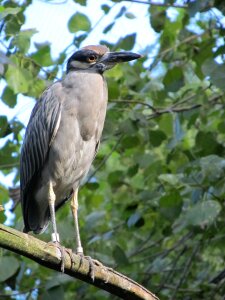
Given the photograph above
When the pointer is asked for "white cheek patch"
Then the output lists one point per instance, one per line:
(81, 65)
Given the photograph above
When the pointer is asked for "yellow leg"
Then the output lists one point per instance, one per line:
(51, 202)
(74, 209)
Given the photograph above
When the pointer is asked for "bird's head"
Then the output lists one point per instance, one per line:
(98, 59)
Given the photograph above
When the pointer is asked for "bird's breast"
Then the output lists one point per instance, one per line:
(83, 112)
(86, 102)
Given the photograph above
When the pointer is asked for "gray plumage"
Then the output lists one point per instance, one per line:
(63, 133)
(61, 153)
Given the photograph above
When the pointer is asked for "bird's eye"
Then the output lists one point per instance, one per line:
(91, 58)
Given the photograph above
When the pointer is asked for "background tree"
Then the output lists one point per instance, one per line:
(153, 205)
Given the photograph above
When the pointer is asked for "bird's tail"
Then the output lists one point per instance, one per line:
(14, 194)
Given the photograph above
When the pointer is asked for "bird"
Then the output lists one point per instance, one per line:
(62, 138)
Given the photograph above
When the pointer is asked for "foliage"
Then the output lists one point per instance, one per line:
(153, 206)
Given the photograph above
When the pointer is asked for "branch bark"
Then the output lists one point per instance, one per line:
(49, 256)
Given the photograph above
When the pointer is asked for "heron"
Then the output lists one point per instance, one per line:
(62, 138)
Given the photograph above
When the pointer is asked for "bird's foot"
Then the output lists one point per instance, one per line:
(92, 264)
(62, 250)
(71, 253)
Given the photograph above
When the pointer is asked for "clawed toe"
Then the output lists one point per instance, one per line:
(92, 263)
(70, 252)
(61, 248)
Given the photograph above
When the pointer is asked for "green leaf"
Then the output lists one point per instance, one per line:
(81, 2)
(4, 196)
(171, 31)
(129, 15)
(171, 205)
(57, 280)
(127, 127)
(9, 154)
(9, 11)
(115, 178)
(18, 79)
(195, 6)
(56, 293)
(130, 141)
(157, 17)
(108, 27)
(78, 22)
(10, 265)
(215, 71)
(4, 127)
(121, 12)
(138, 181)
(166, 124)
(2, 215)
(127, 43)
(22, 39)
(16, 126)
(9, 97)
(174, 79)
(132, 170)
(92, 186)
(43, 55)
(36, 89)
(156, 137)
(120, 256)
(79, 38)
(106, 8)
(212, 167)
(202, 213)
(171, 179)
(144, 160)
(206, 143)
(93, 218)
(13, 25)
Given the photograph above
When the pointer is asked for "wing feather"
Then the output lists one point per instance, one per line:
(41, 129)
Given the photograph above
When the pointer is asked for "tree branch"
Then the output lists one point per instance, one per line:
(49, 256)
(157, 3)
(172, 109)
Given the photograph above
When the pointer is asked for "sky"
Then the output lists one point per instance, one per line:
(50, 20)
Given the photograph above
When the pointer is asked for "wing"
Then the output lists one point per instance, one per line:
(40, 132)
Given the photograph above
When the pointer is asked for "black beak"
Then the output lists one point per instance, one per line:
(119, 57)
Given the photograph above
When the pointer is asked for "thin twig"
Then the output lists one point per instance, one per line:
(48, 73)
(141, 248)
(169, 276)
(189, 97)
(104, 159)
(134, 102)
(54, 3)
(186, 270)
(175, 109)
(161, 54)
(164, 253)
(157, 3)
(168, 286)
(7, 166)
(172, 109)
